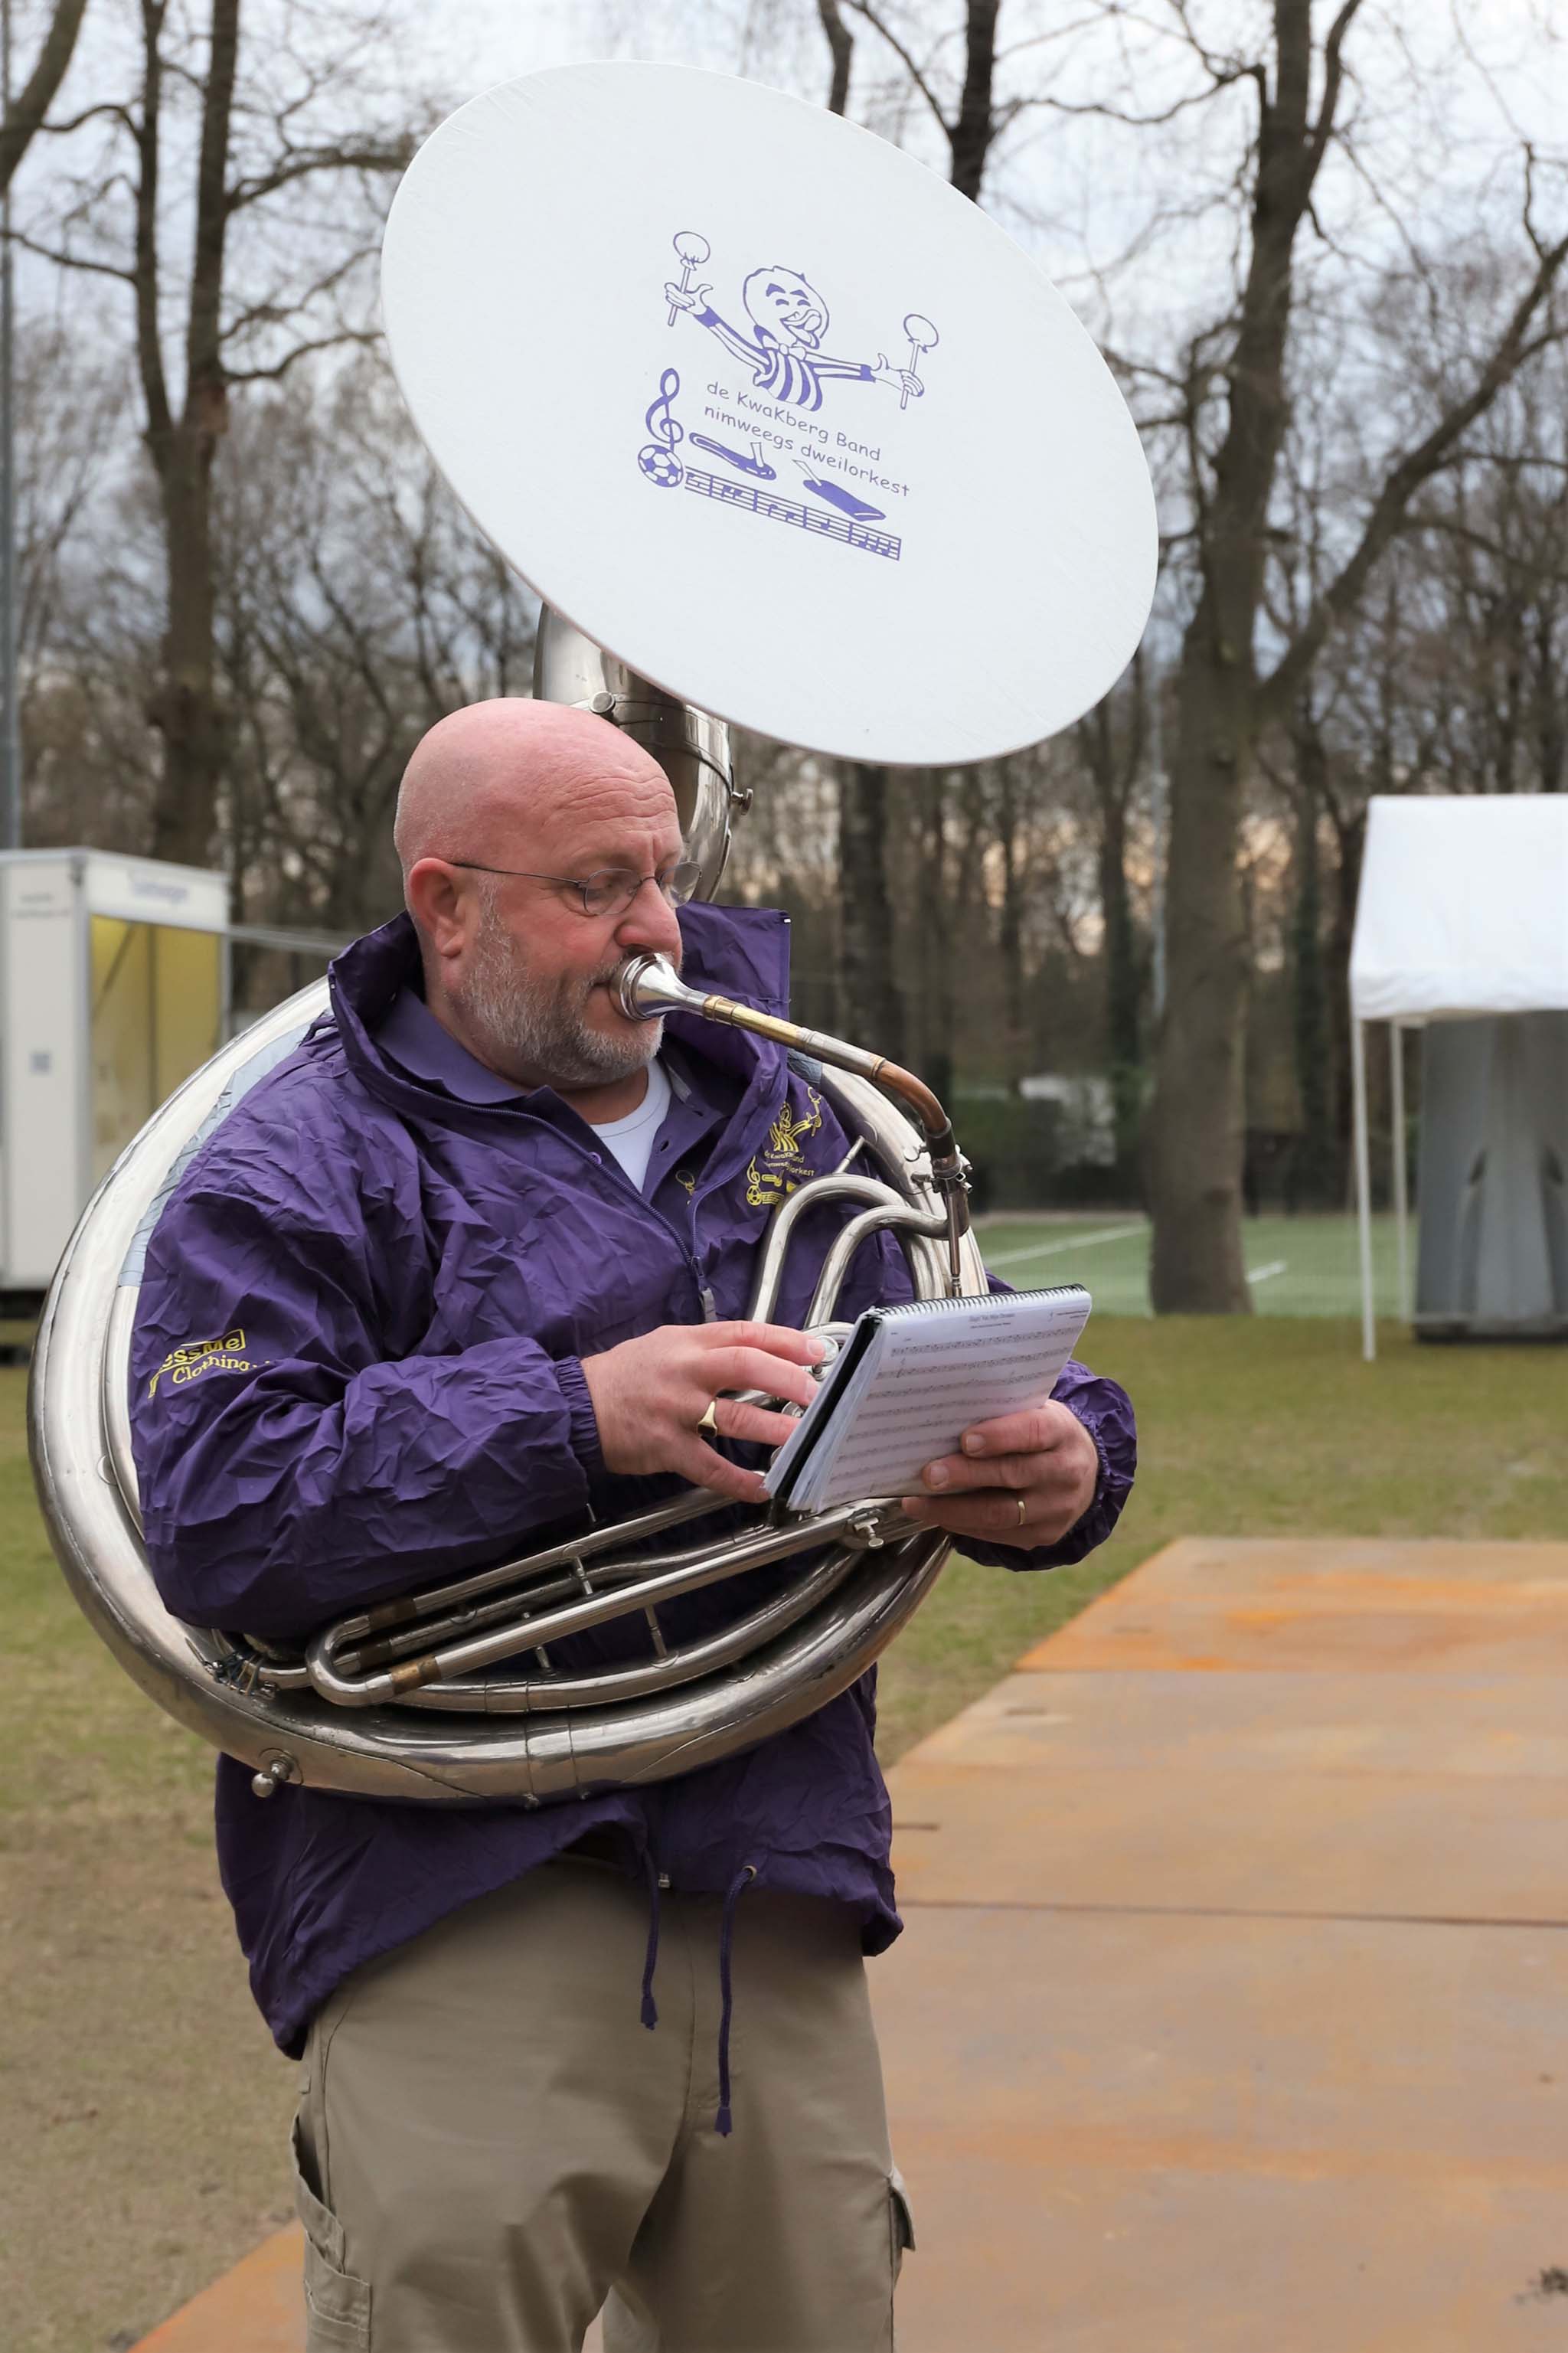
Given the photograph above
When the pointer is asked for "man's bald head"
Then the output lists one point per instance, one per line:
(493, 778)
(517, 965)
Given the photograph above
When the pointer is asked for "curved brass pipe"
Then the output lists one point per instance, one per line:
(648, 987)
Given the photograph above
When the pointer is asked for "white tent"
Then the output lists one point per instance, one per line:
(1463, 911)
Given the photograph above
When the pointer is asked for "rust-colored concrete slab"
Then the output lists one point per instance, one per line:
(258, 2307)
(1300, 2050)
(1392, 1845)
(1231, 1604)
(1233, 2013)
(1262, 1723)
(1162, 2260)
(1208, 2035)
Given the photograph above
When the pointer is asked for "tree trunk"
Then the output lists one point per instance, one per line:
(841, 48)
(1197, 1134)
(1010, 933)
(1195, 1161)
(971, 134)
(1313, 1176)
(934, 939)
(873, 1011)
(24, 114)
(1123, 1042)
(186, 708)
(1350, 832)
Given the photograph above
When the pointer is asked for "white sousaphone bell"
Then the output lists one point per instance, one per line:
(783, 432)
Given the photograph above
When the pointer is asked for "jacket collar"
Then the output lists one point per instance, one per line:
(735, 951)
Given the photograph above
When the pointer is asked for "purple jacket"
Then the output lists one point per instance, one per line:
(420, 1259)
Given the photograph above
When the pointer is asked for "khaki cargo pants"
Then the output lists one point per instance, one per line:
(491, 2145)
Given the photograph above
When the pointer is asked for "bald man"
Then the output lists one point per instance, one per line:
(464, 1275)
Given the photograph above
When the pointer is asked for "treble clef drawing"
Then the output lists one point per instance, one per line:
(657, 458)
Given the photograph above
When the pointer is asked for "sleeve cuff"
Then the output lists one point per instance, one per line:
(1106, 1413)
(583, 1427)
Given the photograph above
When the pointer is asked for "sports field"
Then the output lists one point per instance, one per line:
(1295, 1266)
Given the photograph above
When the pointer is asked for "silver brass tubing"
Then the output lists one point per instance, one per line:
(493, 1694)
(698, 1504)
(690, 746)
(461, 1658)
(841, 1250)
(648, 986)
(781, 1233)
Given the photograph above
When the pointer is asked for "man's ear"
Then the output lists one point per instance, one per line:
(439, 905)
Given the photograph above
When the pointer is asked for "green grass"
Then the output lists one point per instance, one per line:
(1296, 1266)
(144, 2101)
(145, 2105)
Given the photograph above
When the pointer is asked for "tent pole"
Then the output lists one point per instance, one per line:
(1363, 1187)
(1401, 1174)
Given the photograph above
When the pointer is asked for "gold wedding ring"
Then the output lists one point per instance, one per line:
(1022, 1509)
(709, 1425)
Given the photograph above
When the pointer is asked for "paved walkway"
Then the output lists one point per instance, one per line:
(1233, 2013)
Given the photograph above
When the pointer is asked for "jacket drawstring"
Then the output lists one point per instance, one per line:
(649, 2009)
(722, 2122)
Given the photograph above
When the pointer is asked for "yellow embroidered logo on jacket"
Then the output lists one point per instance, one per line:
(781, 1165)
(224, 1355)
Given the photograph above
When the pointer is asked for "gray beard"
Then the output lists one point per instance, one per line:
(538, 1033)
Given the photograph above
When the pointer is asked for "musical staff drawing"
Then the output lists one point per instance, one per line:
(775, 509)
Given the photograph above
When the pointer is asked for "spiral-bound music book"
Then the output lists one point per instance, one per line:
(911, 1380)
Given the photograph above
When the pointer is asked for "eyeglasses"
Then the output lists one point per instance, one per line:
(611, 889)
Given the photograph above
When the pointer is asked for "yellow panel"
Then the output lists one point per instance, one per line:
(188, 1004)
(122, 1068)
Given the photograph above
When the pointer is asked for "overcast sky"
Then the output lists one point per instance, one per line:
(1490, 72)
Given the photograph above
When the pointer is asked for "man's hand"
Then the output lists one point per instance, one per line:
(1044, 1459)
(649, 1394)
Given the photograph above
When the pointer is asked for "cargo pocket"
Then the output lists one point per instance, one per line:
(900, 2220)
(337, 2306)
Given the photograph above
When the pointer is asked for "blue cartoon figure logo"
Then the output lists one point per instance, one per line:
(783, 375)
(789, 318)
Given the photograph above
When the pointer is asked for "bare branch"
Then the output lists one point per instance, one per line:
(1514, 348)
(841, 48)
(108, 107)
(26, 118)
(301, 163)
(365, 336)
(1334, 79)
(900, 49)
(63, 260)
(1097, 107)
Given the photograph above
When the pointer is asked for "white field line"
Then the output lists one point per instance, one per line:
(1267, 1274)
(1056, 1250)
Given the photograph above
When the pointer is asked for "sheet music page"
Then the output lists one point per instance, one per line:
(929, 1373)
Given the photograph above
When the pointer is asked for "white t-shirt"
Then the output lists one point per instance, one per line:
(632, 1139)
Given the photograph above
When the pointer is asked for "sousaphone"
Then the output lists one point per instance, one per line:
(786, 433)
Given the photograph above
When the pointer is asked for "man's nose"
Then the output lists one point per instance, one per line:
(651, 922)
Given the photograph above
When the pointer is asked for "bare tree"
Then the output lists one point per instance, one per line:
(222, 143)
(355, 606)
(1111, 742)
(1224, 700)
